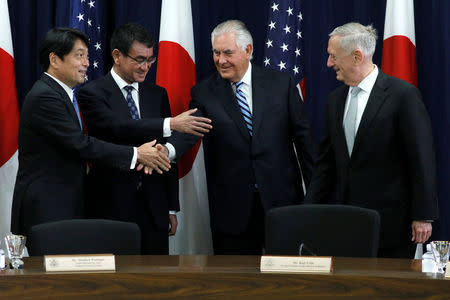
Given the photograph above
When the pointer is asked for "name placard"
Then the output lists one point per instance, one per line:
(69, 263)
(447, 270)
(296, 264)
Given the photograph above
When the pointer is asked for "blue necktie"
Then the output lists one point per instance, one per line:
(350, 119)
(77, 110)
(131, 105)
(135, 116)
(243, 105)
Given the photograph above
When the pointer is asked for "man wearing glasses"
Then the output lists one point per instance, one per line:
(121, 107)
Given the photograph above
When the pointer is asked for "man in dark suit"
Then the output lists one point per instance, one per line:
(251, 165)
(122, 108)
(53, 150)
(377, 146)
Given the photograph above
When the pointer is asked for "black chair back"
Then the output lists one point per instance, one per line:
(325, 230)
(85, 236)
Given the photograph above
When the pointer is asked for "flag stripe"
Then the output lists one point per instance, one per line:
(399, 50)
(9, 121)
(172, 13)
(176, 73)
(400, 20)
(399, 58)
(5, 35)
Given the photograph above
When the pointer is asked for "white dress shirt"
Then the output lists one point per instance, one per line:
(366, 86)
(246, 86)
(69, 92)
(135, 94)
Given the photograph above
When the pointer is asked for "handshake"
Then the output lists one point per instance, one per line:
(152, 156)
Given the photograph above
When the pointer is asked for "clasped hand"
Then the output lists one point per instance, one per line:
(152, 157)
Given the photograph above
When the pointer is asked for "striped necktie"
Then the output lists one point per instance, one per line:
(243, 105)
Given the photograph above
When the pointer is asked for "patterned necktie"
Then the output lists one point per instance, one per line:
(77, 110)
(135, 116)
(243, 105)
(131, 105)
(350, 119)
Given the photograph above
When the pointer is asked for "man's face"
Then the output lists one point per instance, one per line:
(231, 62)
(341, 61)
(72, 69)
(128, 67)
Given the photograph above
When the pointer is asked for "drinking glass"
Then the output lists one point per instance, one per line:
(440, 252)
(16, 245)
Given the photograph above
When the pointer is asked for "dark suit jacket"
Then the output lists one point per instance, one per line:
(392, 167)
(236, 162)
(106, 115)
(53, 151)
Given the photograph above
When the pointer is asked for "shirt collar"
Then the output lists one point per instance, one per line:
(367, 83)
(247, 79)
(122, 83)
(68, 90)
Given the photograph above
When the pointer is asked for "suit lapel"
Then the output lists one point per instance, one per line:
(375, 101)
(64, 97)
(227, 99)
(144, 108)
(116, 99)
(146, 105)
(259, 94)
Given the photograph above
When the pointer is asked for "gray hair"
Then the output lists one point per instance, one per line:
(356, 36)
(241, 33)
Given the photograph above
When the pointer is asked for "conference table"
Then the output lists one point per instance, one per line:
(225, 277)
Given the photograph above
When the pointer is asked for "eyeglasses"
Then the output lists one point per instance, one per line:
(141, 61)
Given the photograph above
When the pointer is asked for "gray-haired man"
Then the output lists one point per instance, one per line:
(377, 146)
(250, 162)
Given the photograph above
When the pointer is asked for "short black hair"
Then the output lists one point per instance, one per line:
(60, 41)
(124, 36)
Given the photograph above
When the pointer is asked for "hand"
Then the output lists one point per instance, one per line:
(147, 170)
(187, 123)
(173, 224)
(150, 157)
(163, 148)
(159, 147)
(421, 231)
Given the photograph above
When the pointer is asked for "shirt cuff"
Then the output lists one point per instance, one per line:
(134, 160)
(172, 152)
(166, 128)
(172, 212)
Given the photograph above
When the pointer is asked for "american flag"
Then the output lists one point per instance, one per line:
(85, 16)
(284, 42)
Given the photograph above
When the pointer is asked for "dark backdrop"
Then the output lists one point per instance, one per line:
(30, 19)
